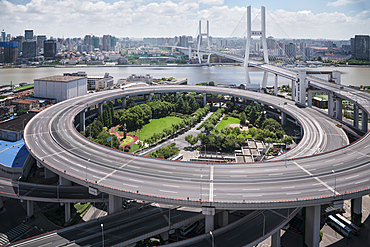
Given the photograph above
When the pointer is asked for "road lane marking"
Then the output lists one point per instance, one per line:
(316, 178)
(135, 180)
(211, 183)
(130, 185)
(170, 185)
(168, 191)
(114, 171)
(363, 181)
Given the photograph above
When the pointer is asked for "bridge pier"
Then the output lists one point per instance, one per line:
(1, 203)
(151, 96)
(302, 87)
(29, 208)
(67, 212)
(331, 104)
(115, 204)
(355, 115)
(365, 119)
(264, 79)
(356, 210)
(338, 108)
(309, 98)
(276, 85)
(283, 118)
(48, 173)
(100, 109)
(335, 76)
(276, 239)
(124, 102)
(177, 94)
(312, 226)
(63, 181)
(209, 214)
(82, 120)
(223, 218)
(165, 236)
(293, 90)
(204, 99)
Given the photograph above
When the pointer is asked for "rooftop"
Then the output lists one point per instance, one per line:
(16, 124)
(13, 154)
(60, 78)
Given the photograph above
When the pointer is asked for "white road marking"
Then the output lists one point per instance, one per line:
(116, 170)
(170, 185)
(251, 189)
(291, 187)
(363, 181)
(168, 191)
(130, 185)
(293, 193)
(135, 180)
(318, 179)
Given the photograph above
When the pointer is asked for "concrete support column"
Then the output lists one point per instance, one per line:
(177, 94)
(309, 99)
(220, 104)
(151, 96)
(276, 85)
(165, 236)
(82, 121)
(29, 208)
(264, 79)
(224, 218)
(356, 210)
(209, 218)
(338, 108)
(1, 202)
(124, 102)
(67, 212)
(365, 119)
(293, 90)
(275, 239)
(331, 104)
(283, 118)
(204, 99)
(48, 173)
(312, 228)
(355, 115)
(115, 204)
(63, 181)
(100, 109)
(336, 76)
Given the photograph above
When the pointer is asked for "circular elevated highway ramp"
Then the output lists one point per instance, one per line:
(53, 140)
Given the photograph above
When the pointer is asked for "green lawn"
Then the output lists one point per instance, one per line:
(156, 126)
(230, 120)
(24, 87)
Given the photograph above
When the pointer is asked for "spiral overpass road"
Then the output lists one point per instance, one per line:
(52, 139)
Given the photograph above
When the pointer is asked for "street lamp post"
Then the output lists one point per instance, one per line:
(264, 219)
(102, 233)
(335, 182)
(213, 239)
(18, 184)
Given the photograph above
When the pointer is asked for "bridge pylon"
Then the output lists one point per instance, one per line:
(250, 33)
(200, 36)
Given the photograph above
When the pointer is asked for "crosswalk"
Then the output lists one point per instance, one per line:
(14, 233)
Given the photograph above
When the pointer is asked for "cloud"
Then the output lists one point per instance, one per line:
(343, 2)
(168, 18)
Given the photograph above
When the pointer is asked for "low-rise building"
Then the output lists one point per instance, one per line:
(98, 83)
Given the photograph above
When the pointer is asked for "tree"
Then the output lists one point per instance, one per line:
(208, 127)
(191, 139)
(243, 118)
(211, 83)
(236, 131)
(226, 131)
(287, 140)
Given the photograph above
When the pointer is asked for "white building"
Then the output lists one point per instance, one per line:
(60, 87)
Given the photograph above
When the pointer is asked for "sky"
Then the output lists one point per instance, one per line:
(315, 19)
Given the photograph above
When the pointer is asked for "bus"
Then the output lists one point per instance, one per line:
(184, 230)
(355, 229)
(177, 157)
(339, 226)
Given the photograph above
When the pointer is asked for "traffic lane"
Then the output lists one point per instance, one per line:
(240, 237)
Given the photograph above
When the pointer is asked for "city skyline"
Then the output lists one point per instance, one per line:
(340, 19)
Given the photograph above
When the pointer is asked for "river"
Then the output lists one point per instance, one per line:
(220, 75)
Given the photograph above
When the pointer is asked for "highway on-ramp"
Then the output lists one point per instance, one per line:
(52, 139)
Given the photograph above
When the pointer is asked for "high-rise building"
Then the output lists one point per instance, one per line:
(113, 42)
(307, 54)
(88, 40)
(29, 50)
(28, 34)
(50, 49)
(271, 43)
(290, 50)
(362, 47)
(106, 42)
(40, 42)
(20, 40)
(3, 34)
(184, 41)
(95, 41)
(9, 51)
